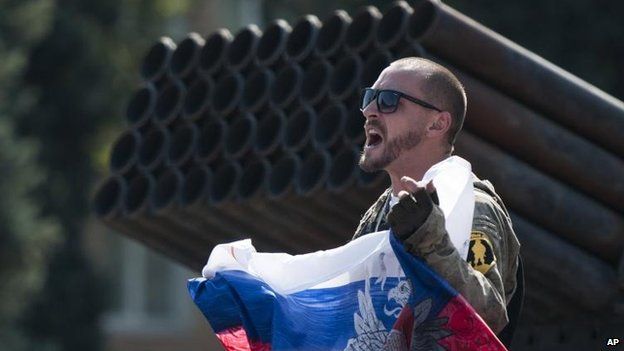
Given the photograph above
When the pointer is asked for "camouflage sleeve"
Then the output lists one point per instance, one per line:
(478, 279)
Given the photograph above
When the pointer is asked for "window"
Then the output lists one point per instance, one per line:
(148, 291)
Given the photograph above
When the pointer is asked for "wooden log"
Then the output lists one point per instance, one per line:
(520, 73)
(621, 273)
(545, 201)
(543, 144)
(109, 208)
(564, 269)
(242, 222)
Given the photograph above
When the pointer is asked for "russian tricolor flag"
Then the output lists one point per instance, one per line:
(369, 294)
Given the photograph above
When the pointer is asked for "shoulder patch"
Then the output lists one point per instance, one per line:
(480, 252)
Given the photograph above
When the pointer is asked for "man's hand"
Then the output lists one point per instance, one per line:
(414, 207)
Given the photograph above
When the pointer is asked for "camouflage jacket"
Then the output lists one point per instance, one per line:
(487, 279)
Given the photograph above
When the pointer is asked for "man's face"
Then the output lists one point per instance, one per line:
(388, 136)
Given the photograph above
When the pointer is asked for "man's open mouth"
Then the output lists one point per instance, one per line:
(373, 138)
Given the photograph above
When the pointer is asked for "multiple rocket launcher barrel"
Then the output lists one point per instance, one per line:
(257, 134)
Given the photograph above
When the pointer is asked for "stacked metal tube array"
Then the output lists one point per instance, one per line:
(257, 134)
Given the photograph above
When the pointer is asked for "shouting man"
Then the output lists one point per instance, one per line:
(414, 112)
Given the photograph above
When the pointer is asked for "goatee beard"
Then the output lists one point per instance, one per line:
(392, 151)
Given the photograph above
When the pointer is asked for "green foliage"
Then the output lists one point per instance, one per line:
(67, 68)
(25, 238)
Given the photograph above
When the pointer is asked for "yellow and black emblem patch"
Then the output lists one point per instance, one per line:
(480, 252)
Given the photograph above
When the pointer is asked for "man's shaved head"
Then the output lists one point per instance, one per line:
(440, 88)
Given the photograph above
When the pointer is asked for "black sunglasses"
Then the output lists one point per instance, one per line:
(388, 100)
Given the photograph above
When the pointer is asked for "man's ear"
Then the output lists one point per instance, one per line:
(440, 124)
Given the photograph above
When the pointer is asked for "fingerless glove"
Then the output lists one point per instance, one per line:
(411, 212)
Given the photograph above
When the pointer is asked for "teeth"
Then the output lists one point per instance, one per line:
(373, 135)
(373, 132)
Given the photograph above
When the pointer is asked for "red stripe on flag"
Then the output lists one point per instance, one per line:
(470, 332)
(235, 339)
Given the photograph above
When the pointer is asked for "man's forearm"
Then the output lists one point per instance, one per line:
(484, 292)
